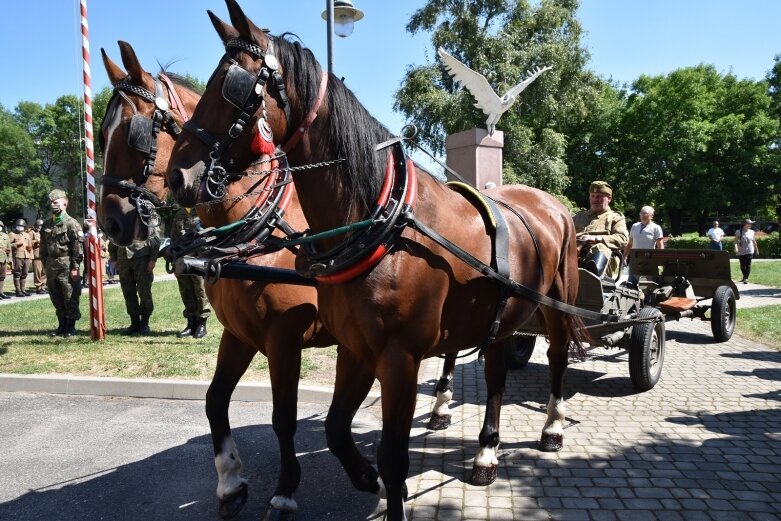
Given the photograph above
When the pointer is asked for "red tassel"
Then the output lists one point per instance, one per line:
(262, 147)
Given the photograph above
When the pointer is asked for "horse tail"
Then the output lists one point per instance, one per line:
(579, 335)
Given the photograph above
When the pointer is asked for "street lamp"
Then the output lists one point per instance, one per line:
(340, 17)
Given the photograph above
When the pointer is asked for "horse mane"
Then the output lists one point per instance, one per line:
(353, 132)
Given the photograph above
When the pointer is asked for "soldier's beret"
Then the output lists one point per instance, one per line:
(57, 194)
(600, 187)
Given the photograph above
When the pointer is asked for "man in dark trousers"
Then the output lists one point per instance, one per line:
(135, 265)
(61, 254)
(191, 287)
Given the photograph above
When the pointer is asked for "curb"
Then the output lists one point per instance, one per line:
(153, 388)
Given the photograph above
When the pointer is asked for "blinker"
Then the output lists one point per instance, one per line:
(139, 136)
(238, 86)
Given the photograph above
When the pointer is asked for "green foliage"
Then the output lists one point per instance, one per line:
(21, 182)
(769, 246)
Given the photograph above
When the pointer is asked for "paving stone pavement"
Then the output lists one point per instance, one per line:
(704, 444)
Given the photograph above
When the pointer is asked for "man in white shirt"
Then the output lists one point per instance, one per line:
(715, 234)
(645, 234)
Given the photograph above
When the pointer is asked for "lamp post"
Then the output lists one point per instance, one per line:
(340, 17)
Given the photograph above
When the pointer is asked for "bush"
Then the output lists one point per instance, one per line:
(769, 245)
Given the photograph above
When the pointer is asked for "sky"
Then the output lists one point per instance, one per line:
(40, 42)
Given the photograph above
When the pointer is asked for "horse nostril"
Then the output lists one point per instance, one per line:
(175, 179)
(111, 226)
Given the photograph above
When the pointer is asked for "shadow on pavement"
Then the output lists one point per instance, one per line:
(180, 483)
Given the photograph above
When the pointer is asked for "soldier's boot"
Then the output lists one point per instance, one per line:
(135, 325)
(3, 296)
(60, 327)
(143, 327)
(24, 290)
(17, 288)
(70, 327)
(188, 329)
(200, 328)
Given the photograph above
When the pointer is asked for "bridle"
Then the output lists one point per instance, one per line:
(246, 91)
(142, 136)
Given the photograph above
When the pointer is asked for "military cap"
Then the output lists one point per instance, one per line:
(748, 221)
(39, 222)
(600, 187)
(57, 194)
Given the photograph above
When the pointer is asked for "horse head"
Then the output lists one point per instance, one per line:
(143, 119)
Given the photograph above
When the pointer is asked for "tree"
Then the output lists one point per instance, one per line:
(503, 39)
(21, 181)
(698, 142)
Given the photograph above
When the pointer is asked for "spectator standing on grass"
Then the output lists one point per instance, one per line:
(22, 253)
(745, 248)
(5, 256)
(645, 234)
(61, 253)
(191, 287)
(135, 265)
(715, 234)
(39, 274)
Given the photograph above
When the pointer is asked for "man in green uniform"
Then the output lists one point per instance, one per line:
(600, 231)
(61, 254)
(5, 256)
(22, 253)
(191, 287)
(39, 275)
(135, 265)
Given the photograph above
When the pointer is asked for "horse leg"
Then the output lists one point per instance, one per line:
(397, 371)
(484, 468)
(284, 361)
(552, 438)
(233, 358)
(353, 382)
(440, 416)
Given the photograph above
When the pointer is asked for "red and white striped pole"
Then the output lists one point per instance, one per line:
(97, 321)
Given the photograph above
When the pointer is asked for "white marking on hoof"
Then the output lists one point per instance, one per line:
(285, 503)
(486, 457)
(228, 466)
(441, 406)
(554, 424)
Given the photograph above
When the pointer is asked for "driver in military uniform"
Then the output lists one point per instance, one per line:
(600, 231)
(61, 253)
(5, 256)
(22, 253)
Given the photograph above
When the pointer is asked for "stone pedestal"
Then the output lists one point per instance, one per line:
(476, 156)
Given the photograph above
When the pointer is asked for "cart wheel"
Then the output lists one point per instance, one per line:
(646, 350)
(518, 350)
(722, 314)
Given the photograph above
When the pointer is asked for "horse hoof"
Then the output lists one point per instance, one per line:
(276, 514)
(483, 476)
(231, 505)
(551, 442)
(438, 422)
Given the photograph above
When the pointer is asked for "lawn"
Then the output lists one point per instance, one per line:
(26, 347)
(764, 272)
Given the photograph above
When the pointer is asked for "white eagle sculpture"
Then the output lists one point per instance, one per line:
(492, 105)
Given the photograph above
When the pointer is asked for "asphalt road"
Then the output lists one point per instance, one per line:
(68, 458)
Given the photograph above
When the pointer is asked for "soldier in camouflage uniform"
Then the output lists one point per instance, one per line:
(135, 265)
(39, 274)
(600, 231)
(22, 253)
(5, 256)
(61, 254)
(191, 287)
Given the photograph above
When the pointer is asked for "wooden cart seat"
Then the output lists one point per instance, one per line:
(677, 304)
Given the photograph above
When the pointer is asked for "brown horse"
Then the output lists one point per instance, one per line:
(275, 319)
(409, 297)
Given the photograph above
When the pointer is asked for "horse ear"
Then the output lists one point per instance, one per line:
(247, 30)
(114, 71)
(130, 60)
(226, 31)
